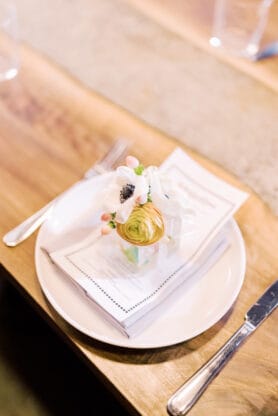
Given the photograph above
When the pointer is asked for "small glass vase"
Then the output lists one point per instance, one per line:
(139, 256)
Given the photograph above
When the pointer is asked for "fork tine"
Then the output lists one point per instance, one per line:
(115, 153)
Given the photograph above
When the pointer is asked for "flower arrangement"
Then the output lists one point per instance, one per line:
(143, 206)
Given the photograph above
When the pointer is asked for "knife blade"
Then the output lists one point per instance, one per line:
(187, 395)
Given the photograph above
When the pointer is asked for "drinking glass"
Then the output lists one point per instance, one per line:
(238, 25)
(9, 48)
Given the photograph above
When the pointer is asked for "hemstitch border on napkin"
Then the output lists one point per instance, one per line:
(229, 210)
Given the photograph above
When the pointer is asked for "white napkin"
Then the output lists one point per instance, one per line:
(131, 300)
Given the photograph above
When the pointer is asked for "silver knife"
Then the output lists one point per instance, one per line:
(187, 395)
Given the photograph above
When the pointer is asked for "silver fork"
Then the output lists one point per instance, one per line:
(31, 224)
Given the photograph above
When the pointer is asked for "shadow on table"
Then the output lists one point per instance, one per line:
(38, 373)
(140, 356)
(151, 356)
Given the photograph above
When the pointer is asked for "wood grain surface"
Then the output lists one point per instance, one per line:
(193, 19)
(51, 130)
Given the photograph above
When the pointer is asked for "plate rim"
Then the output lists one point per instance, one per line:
(124, 342)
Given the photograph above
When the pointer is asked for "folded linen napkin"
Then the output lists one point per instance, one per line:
(130, 299)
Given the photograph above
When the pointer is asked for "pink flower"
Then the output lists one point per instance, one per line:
(106, 217)
(142, 199)
(106, 230)
(132, 162)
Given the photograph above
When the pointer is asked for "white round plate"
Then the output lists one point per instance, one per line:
(200, 304)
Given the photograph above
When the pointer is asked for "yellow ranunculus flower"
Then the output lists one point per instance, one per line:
(144, 226)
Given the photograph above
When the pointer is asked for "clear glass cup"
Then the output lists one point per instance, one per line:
(9, 48)
(238, 25)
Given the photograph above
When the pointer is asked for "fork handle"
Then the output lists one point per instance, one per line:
(187, 395)
(27, 227)
(31, 224)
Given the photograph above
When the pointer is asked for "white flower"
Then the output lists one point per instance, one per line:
(112, 198)
(161, 188)
(127, 189)
(171, 201)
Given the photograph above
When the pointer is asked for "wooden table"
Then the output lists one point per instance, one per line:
(51, 130)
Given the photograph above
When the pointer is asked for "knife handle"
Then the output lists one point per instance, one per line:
(187, 395)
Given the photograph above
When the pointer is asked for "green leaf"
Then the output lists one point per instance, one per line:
(112, 224)
(149, 195)
(139, 170)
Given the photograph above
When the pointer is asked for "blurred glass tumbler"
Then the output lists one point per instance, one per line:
(9, 48)
(238, 25)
